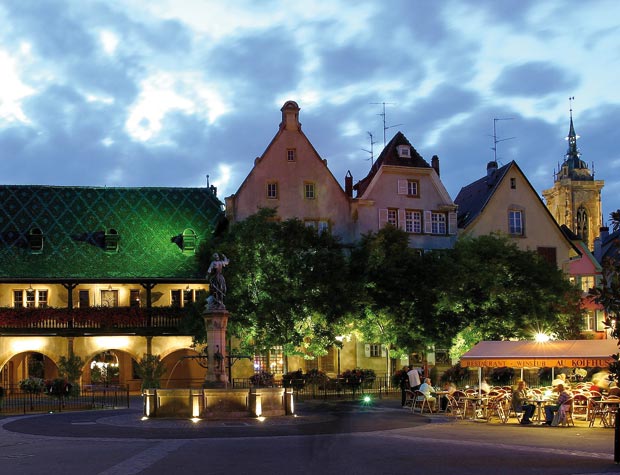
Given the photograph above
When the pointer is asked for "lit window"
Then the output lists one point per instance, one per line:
(587, 283)
(392, 216)
(413, 221)
(438, 223)
(291, 155)
(272, 191)
(134, 298)
(309, 191)
(589, 321)
(30, 298)
(515, 222)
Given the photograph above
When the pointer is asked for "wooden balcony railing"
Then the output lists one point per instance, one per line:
(91, 318)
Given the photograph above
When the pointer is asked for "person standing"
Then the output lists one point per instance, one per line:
(403, 383)
(414, 378)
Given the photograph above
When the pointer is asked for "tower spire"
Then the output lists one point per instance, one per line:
(572, 154)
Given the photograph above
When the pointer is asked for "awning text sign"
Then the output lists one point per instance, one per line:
(536, 362)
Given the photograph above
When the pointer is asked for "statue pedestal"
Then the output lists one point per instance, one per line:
(216, 321)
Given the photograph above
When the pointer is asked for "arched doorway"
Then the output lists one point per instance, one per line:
(30, 364)
(109, 368)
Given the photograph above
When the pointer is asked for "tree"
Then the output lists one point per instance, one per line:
(608, 295)
(150, 369)
(504, 292)
(287, 284)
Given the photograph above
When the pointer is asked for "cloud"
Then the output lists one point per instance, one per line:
(534, 79)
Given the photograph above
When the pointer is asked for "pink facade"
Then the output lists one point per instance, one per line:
(291, 177)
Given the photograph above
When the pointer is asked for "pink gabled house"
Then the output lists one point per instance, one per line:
(292, 178)
(403, 190)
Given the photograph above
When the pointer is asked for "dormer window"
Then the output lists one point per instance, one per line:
(35, 240)
(404, 151)
(111, 240)
(189, 240)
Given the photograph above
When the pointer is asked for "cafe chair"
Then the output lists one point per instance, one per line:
(455, 408)
(565, 414)
(421, 402)
(409, 398)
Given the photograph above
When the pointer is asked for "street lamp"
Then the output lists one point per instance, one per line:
(339, 338)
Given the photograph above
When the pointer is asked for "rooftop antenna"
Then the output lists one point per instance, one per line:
(207, 181)
(372, 142)
(385, 127)
(495, 139)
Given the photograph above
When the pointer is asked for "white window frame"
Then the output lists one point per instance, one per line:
(30, 298)
(413, 221)
(392, 216)
(309, 190)
(272, 190)
(438, 223)
(515, 222)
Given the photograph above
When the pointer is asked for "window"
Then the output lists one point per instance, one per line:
(272, 190)
(111, 240)
(291, 155)
(375, 351)
(175, 298)
(326, 362)
(404, 151)
(515, 222)
(587, 283)
(548, 254)
(409, 188)
(438, 223)
(309, 192)
(84, 298)
(35, 239)
(109, 298)
(321, 226)
(589, 321)
(513, 183)
(392, 216)
(582, 224)
(413, 221)
(189, 240)
(189, 297)
(134, 298)
(30, 298)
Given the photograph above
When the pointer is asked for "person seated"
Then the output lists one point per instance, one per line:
(427, 390)
(563, 397)
(484, 386)
(520, 397)
(450, 388)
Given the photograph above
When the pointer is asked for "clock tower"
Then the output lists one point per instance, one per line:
(575, 198)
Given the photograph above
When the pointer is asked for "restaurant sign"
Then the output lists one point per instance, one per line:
(536, 362)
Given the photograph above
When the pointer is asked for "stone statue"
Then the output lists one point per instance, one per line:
(217, 282)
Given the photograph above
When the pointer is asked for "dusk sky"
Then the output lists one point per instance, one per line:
(165, 92)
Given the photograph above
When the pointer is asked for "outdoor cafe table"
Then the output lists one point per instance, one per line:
(477, 403)
(439, 395)
(606, 409)
(540, 403)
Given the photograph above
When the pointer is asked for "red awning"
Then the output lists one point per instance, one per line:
(531, 354)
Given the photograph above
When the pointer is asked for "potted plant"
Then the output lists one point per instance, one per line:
(150, 369)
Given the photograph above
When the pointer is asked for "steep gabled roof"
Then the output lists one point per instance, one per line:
(473, 198)
(73, 222)
(389, 156)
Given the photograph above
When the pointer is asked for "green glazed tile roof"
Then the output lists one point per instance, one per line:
(74, 220)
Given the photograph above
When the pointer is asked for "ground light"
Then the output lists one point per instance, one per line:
(366, 400)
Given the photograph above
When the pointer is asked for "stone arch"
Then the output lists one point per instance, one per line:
(18, 366)
(110, 367)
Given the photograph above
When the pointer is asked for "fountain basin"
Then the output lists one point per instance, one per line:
(218, 403)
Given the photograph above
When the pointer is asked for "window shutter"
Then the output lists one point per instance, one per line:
(367, 350)
(383, 216)
(402, 187)
(383, 351)
(401, 218)
(452, 225)
(428, 226)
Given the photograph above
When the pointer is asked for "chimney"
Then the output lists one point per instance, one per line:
(598, 243)
(491, 168)
(348, 184)
(435, 163)
(290, 116)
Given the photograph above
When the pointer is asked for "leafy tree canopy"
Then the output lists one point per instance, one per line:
(287, 284)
